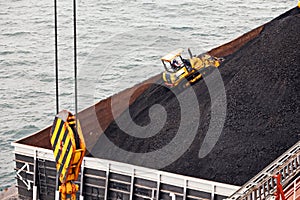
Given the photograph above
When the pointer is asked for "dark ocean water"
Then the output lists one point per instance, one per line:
(119, 45)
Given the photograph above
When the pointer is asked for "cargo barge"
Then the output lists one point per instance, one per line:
(106, 179)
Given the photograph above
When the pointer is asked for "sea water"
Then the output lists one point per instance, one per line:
(119, 44)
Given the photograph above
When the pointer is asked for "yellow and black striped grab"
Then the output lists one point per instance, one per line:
(68, 146)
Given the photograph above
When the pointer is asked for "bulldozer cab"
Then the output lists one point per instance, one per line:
(173, 61)
(178, 69)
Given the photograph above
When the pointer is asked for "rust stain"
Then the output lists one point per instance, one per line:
(95, 119)
(236, 44)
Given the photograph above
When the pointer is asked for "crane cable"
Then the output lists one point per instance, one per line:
(56, 56)
(75, 61)
(57, 182)
(57, 70)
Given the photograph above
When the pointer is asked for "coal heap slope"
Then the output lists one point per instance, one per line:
(262, 120)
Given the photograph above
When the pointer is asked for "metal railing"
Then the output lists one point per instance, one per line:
(291, 190)
(263, 185)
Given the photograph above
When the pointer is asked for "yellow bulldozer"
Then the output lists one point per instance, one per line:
(180, 72)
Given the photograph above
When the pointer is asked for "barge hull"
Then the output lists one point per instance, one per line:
(104, 179)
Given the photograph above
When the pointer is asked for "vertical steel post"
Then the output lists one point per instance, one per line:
(57, 187)
(81, 197)
(158, 186)
(294, 195)
(132, 184)
(213, 188)
(35, 189)
(106, 182)
(185, 189)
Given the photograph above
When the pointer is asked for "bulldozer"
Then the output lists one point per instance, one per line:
(180, 72)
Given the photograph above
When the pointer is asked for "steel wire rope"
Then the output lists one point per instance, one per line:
(57, 182)
(75, 59)
(56, 57)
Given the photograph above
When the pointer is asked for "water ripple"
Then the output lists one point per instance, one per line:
(118, 46)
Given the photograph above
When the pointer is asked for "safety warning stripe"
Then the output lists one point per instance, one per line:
(57, 136)
(65, 165)
(58, 126)
(59, 148)
(64, 147)
(62, 140)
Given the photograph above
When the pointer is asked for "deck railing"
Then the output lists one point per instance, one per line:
(263, 185)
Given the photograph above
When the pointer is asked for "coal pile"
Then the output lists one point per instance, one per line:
(262, 121)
